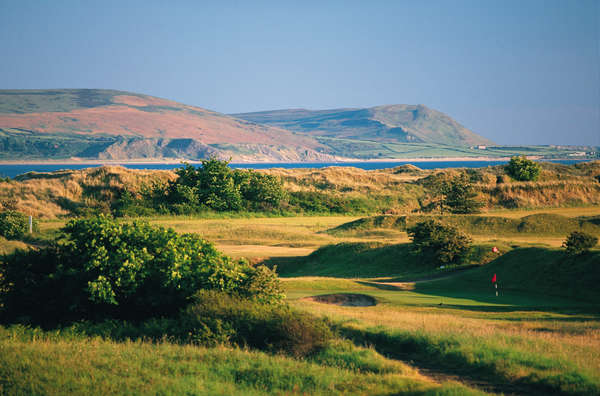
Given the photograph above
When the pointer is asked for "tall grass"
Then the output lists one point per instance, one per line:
(517, 349)
(395, 190)
(64, 364)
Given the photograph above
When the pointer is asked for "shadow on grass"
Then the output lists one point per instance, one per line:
(285, 265)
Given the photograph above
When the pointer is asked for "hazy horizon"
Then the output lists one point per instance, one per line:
(513, 72)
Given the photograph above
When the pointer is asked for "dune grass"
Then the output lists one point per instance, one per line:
(34, 362)
(536, 224)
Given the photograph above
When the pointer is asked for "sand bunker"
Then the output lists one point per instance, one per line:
(345, 299)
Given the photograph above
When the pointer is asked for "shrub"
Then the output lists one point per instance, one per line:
(455, 194)
(522, 169)
(14, 225)
(261, 284)
(214, 318)
(105, 269)
(276, 328)
(215, 186)
(579, 242)
(445, 244)
(259, 191)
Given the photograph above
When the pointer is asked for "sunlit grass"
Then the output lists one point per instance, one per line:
(520, 338)
(61, 364)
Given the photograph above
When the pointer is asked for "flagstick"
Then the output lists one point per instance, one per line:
(495, 284)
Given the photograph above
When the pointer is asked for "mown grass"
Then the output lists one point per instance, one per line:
(547, 272)
(34, 362)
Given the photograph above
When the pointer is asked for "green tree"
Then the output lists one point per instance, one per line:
(212, 185)
(460, 196)
(444, 244)
(216, 186)
(522, 169)
(455, 195)
(579, 242)
(260, 190)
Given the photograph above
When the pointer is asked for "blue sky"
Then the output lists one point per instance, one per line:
(517, 72)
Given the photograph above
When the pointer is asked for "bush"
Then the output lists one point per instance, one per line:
(444, 244)
(217, 187)
(14, 225)
(522, 169)
(276, 328)
(216, 318)
(105, 269)
(579, 242)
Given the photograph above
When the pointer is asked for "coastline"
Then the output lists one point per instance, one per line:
(341, 161)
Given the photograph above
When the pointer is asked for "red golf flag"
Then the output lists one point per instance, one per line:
(494, 278)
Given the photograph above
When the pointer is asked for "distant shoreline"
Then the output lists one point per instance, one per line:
(345, 161)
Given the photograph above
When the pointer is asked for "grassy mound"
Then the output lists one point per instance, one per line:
(533, 270)
(538, 224)
(352, 260)
(371, 259)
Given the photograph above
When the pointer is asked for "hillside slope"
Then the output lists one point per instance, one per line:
(106, 124)
(390, 124)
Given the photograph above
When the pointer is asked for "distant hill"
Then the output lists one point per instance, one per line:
(385, 124)
(61, 124)
(107, 124)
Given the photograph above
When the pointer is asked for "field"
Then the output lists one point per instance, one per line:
(401, 325)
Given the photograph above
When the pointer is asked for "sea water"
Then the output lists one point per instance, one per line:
(15, 170)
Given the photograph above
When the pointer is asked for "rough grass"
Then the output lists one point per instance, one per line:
(34, 362)
(7, 247)
(396, 190)
(538, 224)
(62, 193)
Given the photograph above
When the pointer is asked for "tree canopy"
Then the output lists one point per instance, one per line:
(522, 169)
(444, 244)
